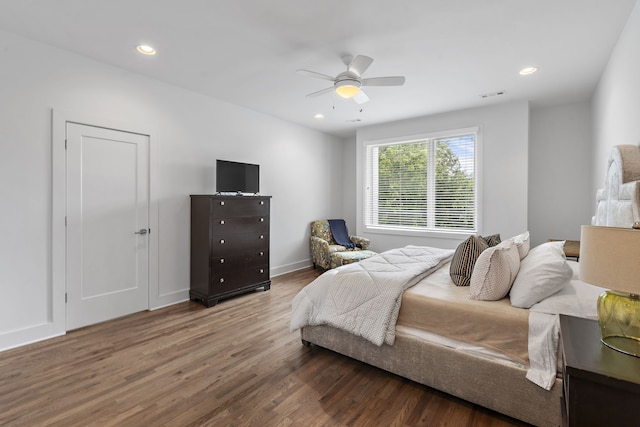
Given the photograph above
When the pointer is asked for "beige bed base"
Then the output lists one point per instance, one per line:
(490, 383)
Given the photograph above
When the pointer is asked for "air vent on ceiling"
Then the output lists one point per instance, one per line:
(354, 120)
(487, 95)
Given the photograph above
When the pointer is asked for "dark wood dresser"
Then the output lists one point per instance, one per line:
(601, 385)
(229, 246)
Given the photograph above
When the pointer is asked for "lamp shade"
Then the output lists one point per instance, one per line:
(610, 258)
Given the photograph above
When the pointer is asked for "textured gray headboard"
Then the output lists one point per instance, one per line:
(618, 203)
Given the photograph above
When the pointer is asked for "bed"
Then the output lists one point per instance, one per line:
(475, 350)
(501, 354)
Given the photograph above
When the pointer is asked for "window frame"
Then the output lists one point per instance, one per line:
(421, 231)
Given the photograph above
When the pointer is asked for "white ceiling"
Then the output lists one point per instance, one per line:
(246, 52)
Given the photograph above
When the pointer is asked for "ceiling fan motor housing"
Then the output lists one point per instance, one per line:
(349, 77)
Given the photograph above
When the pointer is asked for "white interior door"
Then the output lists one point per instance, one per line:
(107, 224)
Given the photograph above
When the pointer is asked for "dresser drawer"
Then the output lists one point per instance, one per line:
(236, 279)
(239, 206)
(242, 224)
(242, 243)
(239, 261)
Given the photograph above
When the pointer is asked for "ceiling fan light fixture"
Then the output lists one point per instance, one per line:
(347, 88)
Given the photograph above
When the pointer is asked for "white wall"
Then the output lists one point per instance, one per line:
(504, 133)
(560, 196)
(190, 132)
(349, 189)
(616, 102)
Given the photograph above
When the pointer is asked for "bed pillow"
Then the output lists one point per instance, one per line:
(495, 271)
(523, 244)
(492, 240)
(543, 272)
(465, 258)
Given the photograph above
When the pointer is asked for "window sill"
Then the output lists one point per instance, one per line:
(409, 231)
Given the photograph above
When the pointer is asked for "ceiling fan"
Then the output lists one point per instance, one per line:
(348, 83)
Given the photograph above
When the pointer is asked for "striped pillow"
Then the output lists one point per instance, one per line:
(465, 258)
(492, 240)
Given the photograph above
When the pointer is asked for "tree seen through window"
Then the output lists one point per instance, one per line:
(426, 184)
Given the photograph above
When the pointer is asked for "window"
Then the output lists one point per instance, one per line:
(426, 184)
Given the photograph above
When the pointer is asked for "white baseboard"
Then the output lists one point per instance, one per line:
(30, 335)
(289, 268)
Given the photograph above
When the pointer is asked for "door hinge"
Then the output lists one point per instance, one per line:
(65, 221)
(65, 144)
(65, 297)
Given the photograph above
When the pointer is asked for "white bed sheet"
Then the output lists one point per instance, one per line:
(576, 298)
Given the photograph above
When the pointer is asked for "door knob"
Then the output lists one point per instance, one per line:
(142, 231)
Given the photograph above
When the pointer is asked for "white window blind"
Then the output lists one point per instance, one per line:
(426, 184)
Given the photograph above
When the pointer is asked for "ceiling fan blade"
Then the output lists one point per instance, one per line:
(360, 64)
(321, 92)
(384, 81)
(315, 75)
(361, 97)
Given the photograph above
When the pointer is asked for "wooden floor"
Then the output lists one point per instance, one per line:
(235, 364)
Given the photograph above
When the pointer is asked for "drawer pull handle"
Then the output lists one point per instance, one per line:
(261, 271)
(221, 280)
(262, 202)
(222, 203)
(221, 260)
(261, 219)
(222, 241)
(261, 236)
(261, 253)
(222, 222)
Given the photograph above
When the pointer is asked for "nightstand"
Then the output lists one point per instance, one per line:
(571, 248)
(601, 385)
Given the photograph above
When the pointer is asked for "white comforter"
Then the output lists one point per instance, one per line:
(364, 298)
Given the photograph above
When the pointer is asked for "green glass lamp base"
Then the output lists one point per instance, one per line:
(619, 319)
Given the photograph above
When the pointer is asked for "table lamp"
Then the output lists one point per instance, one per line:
(610, 258)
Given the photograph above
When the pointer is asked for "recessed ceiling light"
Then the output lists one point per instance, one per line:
(528, 70)
(145, 49)
(319, 116)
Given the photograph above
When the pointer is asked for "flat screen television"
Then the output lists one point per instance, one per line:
(236, 177)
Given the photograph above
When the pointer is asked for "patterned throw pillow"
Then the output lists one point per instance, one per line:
(492, 240)
(495, 271)
(465, 258)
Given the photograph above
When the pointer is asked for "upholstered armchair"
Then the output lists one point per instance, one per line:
(327, 254)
